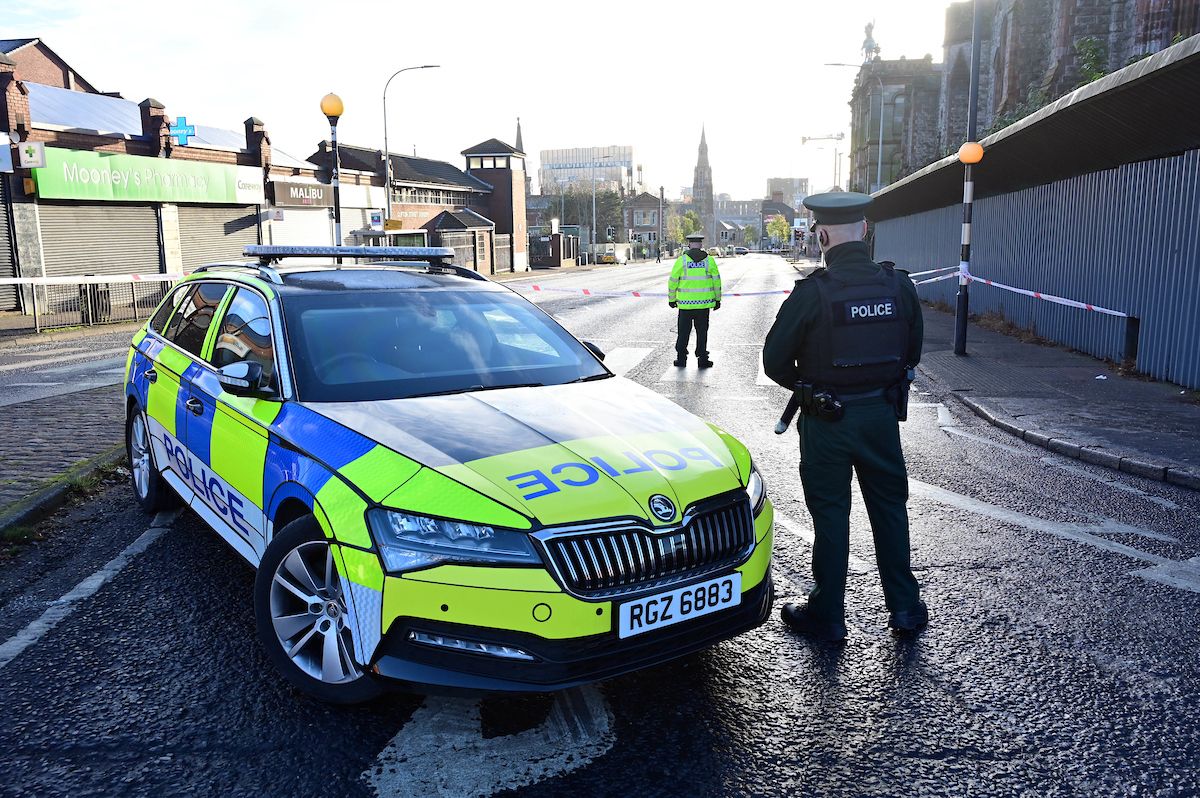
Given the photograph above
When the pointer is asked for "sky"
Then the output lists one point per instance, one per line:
(646, 74)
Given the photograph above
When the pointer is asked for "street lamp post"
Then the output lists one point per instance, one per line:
(387, 156)
(970, 154)
(331, 106)
(658, 243)
(593, 236)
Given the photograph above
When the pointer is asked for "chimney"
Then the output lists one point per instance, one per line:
(14, 99)
(156, 127)
(257, 142)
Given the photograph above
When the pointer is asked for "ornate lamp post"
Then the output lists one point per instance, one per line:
(332, 107)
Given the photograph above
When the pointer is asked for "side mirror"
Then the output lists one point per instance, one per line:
(595, 350)
(244, 378)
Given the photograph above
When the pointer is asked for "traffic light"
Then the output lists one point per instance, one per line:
(611, 231)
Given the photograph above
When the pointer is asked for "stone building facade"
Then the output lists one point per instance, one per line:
(1031, 52)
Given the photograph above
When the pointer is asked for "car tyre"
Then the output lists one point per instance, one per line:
(300, 613)
(149, 488)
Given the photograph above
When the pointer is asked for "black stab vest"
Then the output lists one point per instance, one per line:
(862, 339)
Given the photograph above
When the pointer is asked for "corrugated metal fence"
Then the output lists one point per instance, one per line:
(1126, 238)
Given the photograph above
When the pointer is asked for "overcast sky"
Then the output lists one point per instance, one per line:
(647, 74)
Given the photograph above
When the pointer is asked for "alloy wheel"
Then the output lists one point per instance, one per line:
(308, 613)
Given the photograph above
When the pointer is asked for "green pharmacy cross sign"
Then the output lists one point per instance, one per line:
(181, 131)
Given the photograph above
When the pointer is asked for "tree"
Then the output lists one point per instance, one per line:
(778, 228)
(691, 223)
(750, 235)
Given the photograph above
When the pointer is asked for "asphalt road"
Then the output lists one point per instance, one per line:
(1061, 658)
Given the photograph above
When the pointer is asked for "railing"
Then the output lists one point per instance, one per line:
(57, 302)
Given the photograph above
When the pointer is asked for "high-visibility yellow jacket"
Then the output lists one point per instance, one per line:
(694, 286)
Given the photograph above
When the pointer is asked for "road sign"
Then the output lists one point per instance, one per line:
(181, 131)
(393, 224)
(32, 154)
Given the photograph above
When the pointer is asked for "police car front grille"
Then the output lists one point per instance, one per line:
(618, 561)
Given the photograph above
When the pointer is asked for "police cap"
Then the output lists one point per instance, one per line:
(694, 236)
(838, 207)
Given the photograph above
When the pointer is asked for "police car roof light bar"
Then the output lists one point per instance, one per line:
(265, 252)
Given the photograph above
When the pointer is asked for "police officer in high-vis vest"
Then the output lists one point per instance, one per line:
(846, 340)
(695, 288)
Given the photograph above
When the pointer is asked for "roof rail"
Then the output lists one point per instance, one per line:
(262, 269)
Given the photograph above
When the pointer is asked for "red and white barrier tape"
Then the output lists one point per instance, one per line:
(933, 271)
(1071, 303)
(639, 294)
(95, 279)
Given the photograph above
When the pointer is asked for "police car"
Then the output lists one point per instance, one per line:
(437, 484)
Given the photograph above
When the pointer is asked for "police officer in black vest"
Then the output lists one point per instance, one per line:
(846, 340)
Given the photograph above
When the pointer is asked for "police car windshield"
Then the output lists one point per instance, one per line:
(354, 346)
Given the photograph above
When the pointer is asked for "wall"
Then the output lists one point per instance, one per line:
(1129, 242)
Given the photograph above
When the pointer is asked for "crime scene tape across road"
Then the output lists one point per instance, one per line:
(640, 294)
(1071, 303)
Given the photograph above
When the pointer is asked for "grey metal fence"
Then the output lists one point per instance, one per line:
(1124, 238)
(59, 302)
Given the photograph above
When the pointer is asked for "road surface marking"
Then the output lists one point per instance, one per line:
(63, 607)
(805, 533)
(62, 350)
(1061, 464)
(690, 373)
(1180, 574)
(30, 384)
(625, 359)
(442, 751)
(29, 364)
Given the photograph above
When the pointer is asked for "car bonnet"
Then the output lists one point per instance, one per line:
(561, 454)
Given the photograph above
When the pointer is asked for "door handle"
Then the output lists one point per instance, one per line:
(194, 405)
(151, 375)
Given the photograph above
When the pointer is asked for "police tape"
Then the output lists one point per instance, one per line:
(94, 279)
(639, 294)
(1071, 303)
(933, 271)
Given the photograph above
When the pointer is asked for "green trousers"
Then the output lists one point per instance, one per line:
(867, 439)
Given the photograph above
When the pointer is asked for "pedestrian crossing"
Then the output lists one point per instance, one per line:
(623, 360)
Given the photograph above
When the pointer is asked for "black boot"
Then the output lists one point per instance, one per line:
(705, 363)
(798, 617)
(909, 621)
(681, 360)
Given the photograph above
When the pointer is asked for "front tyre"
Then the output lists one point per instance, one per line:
(300, 612)
(150, 489)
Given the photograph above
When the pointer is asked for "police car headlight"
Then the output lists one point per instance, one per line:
(756, 490)
(416, 541)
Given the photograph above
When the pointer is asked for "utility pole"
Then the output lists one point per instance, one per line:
(658, 244)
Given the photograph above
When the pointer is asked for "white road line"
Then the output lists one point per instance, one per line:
(1180, 574)
(30, 384)
(625, 359)
(857, 565)
(66, 350)
(690, 373)
(1059, 463)
(442, 751)
(63, 607)
(29, 364)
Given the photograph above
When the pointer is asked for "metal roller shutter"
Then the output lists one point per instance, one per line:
(99, 239)
(300, 227)
(8, 261)
(212, 233)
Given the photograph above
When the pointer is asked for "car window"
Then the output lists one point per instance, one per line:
(190, 324)
(367, 345)
(159, 321)
(245, 334)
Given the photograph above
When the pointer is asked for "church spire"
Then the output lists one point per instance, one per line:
(520, 144)
(703, 158)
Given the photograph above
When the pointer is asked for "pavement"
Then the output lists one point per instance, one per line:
(1070, 403)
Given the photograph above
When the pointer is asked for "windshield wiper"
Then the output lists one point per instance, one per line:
(474, 388)
(591, 378)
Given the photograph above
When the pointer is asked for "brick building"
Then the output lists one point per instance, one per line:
(642, 221)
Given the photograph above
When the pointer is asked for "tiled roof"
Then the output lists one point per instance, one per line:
(9, 45)
(405, 168)
(461, 219)
(492, 147)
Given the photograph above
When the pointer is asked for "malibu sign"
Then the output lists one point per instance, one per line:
(288, 193)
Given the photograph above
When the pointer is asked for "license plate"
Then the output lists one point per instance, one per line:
(676, 606)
